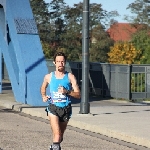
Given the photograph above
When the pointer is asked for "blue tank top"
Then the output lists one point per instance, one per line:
(59, 99)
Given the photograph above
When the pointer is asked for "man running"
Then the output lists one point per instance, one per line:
(62, 85)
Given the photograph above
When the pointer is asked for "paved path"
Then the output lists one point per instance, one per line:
(19, 131)
(118, 119)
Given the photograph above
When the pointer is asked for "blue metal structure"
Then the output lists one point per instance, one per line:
(0, 71)
(22, 51)
(2, 19)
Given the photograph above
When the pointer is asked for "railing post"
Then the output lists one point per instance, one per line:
(147, 81)
(116, 77)
(129, 82)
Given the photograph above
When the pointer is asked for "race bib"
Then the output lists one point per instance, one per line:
(58, 97)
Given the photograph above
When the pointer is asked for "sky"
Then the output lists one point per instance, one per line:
(108, 5)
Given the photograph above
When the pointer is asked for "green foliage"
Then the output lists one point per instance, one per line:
(140, 10)
(47, 50)
(42, 17)
(60, 29)
(100, 45)
(138, 82)
(141, 40)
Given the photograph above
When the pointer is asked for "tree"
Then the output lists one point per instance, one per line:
(141, 19)
(60, 26)
(141, 40)
(73, 36)
(124, 53)
(140, 10)
(72, 39)
(100, 45)
(57, 22)
(49, 23)
(42, 17)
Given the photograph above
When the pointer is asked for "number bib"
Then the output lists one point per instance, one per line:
(58, 97)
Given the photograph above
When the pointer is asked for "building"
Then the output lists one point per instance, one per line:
(121, 31)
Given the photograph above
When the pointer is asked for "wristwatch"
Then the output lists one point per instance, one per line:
(68, 92)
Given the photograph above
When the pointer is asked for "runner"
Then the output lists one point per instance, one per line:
(62, 85)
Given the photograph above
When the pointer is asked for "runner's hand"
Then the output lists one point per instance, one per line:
(45, 98)
(62, 90)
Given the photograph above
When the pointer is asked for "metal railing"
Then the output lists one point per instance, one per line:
(128, 82)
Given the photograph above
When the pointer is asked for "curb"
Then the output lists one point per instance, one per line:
(110, 133)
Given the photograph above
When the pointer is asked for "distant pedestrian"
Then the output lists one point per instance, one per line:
(62, 85)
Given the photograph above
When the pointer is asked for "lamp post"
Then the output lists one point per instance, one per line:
(84, 105)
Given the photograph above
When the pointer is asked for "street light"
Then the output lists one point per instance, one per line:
(85, 106)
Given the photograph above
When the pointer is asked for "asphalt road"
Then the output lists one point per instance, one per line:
(22, 132)
(19, 131)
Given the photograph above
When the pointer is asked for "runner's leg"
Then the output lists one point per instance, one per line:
(63, 126)
(54, 122)
(55, 126)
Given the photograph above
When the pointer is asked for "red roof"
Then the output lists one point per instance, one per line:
(121, 31)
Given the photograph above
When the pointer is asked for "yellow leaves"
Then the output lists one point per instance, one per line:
(123, 53)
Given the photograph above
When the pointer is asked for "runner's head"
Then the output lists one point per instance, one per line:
(60, 61)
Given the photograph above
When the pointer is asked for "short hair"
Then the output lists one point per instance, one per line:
(60, 54)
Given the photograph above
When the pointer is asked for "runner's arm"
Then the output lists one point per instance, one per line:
(76, 91)
(43, 88)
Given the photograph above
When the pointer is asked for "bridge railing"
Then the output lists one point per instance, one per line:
(128, 82)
